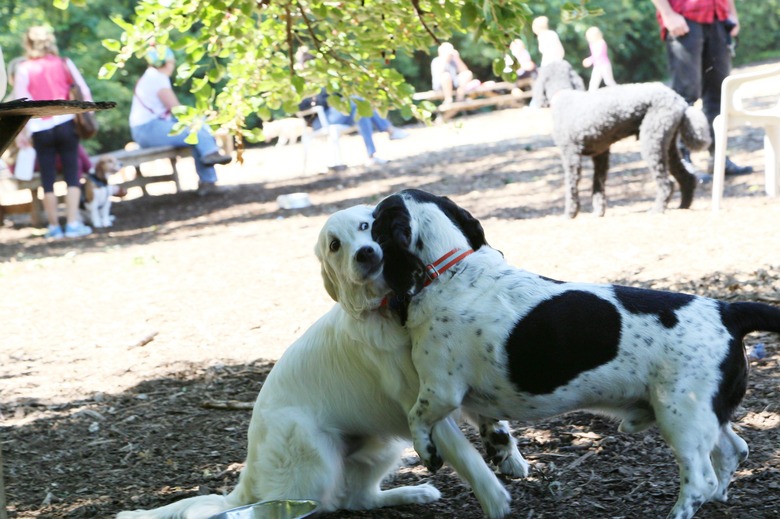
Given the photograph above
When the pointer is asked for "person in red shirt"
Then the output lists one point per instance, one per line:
(699, 36)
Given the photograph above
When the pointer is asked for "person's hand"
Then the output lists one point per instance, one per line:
(734, 30)
(587, 62)
(675, 23)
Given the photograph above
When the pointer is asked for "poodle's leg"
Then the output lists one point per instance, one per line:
(572, 170)
(600, 169)
(656, 134)
(685, 178)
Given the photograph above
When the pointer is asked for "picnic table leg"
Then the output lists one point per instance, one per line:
(36, 208)
(10, 128)
(175, 174)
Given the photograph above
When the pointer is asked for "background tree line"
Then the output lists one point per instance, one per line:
(629, 26)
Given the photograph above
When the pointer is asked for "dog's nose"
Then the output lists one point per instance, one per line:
(366, 255)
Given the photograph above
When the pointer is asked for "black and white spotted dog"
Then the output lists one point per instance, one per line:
(516, 345)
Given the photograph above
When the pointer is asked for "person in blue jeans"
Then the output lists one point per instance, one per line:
(365, 125)
(151, 120)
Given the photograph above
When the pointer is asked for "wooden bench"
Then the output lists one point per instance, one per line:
(128, 158)
(488, 94)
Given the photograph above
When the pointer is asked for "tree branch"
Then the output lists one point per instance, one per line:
(420, 13)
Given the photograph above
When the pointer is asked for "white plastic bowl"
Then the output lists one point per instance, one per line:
(282, 509)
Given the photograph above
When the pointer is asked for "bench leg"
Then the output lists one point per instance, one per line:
(140, 178)
(175, 174)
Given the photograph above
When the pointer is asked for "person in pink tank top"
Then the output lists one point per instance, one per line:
(43, 76)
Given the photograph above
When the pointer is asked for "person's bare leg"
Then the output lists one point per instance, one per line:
(446, 87)
(71, 204)
(50, 207)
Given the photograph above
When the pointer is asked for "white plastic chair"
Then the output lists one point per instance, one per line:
(731, 114)
(331, 131)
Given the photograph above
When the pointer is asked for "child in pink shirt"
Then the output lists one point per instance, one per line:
(598, 59)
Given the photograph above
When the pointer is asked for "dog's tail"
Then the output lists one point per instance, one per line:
(740, 319)
(743, 318)
(198, 507)
(695, 129)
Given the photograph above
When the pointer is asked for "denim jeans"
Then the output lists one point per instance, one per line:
(699, 62)
(155, 133)
(364, 124)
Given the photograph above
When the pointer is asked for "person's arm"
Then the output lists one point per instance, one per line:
(459, 64)
(79, 79)
(673, 21)
(734, 18)
(168, 98)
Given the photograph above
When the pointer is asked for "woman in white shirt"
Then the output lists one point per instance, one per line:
(151, 120)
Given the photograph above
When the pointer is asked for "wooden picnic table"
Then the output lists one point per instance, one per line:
(15, 114)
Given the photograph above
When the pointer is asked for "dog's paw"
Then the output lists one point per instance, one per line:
(514, 466)
(136, 514)
(495, 502)
(423, 494)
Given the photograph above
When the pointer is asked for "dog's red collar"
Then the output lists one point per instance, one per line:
(434, 270)
(438, 267)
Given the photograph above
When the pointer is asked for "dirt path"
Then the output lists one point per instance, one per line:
(111, 343)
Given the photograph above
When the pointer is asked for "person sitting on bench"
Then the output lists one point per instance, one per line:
(449, 74)
(151, 120)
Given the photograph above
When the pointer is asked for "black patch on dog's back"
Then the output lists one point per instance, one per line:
(654, 302)
(560, 338)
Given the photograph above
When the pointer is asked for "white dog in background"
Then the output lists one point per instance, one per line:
(330, 421)
(98, 192)
(287, 129)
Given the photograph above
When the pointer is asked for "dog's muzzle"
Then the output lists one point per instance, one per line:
(369, 259)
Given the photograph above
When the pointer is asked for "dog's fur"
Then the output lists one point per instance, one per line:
(97, 192)
(588, 123)
(287, 129)
(520, 346)
(330, 420)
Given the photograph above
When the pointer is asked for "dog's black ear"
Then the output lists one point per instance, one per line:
(469, 226)
(392, 229)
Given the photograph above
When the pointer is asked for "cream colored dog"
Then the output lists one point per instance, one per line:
(288, 130)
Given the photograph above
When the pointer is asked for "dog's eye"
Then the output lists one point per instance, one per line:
(363, 226)
(335, 245)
